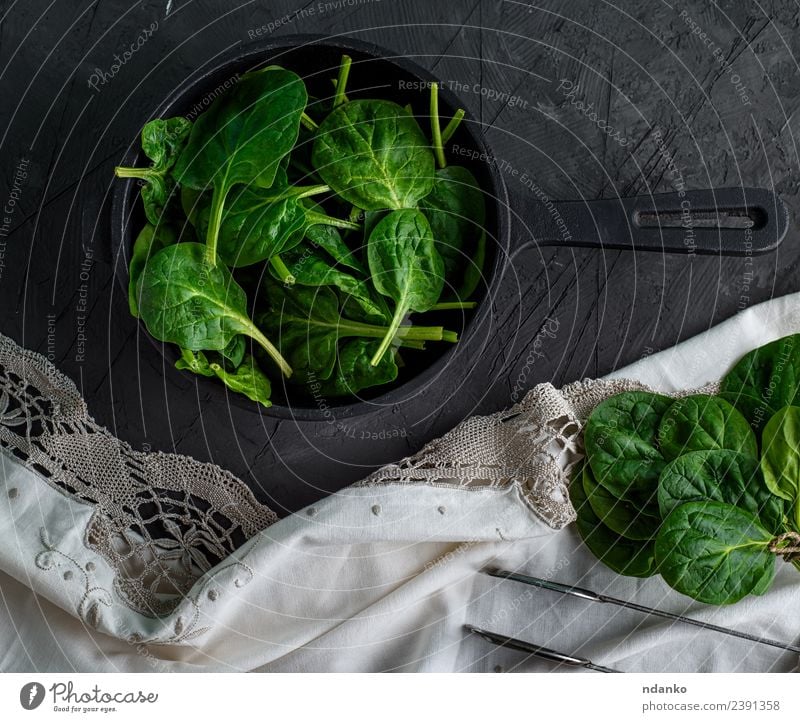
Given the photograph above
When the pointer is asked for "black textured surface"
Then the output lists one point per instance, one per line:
(559, 315)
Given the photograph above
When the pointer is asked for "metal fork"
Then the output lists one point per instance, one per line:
(502, 640)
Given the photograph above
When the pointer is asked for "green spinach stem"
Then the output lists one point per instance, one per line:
(346, 327)
(355, 214)
(282, 270)
(451, 127)
(341, 82)
(346, 99)
(268, 346)
(320, 218)
(313, 191)
(121, 172)
(298, 192)
(450, 336)
(399, 313)
(454, 306)
(436, 131)
(308, 122)
(214, 221)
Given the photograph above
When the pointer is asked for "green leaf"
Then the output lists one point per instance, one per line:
(456, 211)
(631, 520)
(719, 475)
(255, 226)
(242, 138)
(309, 324)
(715, 553)
(621, 442)
(405, 266)
(624, 556)
(185, 300)
(196, 362)
(330, 240)
(247, 379)
(765, 380)
(162, 141)
(374, 155)
(311, 268)
(306, 323)
(193, 203)
(473, 272)
(234, 352)
(371, 219)
(354, 373)
(150, 240)
(701, 422)
(780, 457)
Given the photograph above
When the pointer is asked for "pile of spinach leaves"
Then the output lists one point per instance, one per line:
(280, 243)
(704, 489)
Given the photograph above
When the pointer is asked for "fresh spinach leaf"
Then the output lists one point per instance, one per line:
(621, 442)
(329, 239)
(751, 408)
(242, 138)
(374, 155)
(405, 266)
(474, 269)
(162, 141)
(308, 323)
(624, 556)
(185, 300)
(194, 361)
(255, 227)
(311, 268)
(258, 223)
(456, 211)
(765, 380)
(780, 458)
(371, 219)
(700, 423)
(720, 475)
(354, 372)
(192, 202)
(247, 379)
(150, 240)
(715, 553)
(639, 521)
(234, 352)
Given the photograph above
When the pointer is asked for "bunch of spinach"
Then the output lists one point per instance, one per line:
(704, 489)
(280, 242)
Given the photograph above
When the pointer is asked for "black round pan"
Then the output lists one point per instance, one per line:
(726, 221)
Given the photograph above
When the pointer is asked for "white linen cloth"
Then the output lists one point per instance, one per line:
(381, 577)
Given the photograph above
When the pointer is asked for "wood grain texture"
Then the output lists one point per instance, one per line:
(642, 68)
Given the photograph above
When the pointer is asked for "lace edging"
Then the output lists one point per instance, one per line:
(160, 520)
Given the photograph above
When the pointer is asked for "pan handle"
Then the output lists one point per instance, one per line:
(724, 221)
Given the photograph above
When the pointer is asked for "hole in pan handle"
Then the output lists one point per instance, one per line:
(723, 221)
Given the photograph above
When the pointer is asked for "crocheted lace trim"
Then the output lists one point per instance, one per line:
(160, 520)
(534, 445)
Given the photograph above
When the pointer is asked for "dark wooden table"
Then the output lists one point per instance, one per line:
(705, 94)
